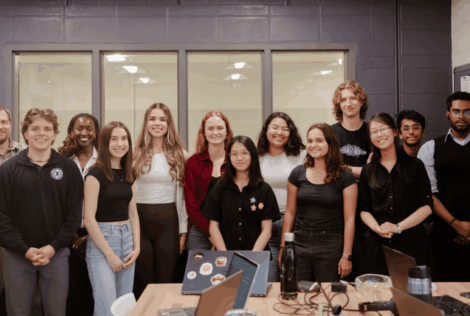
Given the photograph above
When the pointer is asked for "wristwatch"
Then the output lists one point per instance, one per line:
(399, 229)
(349, 257)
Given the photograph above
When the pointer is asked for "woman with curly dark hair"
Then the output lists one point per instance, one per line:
(323, 193)
(80, 145)
(280, 149)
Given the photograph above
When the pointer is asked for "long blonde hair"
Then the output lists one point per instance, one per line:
(173, 150)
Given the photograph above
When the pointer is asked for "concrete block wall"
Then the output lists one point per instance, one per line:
(418, 78)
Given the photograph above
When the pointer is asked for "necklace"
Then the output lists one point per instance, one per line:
(322, 173)
(122, 178)
(38, 160)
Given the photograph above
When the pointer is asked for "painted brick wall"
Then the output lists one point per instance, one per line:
(421, 34)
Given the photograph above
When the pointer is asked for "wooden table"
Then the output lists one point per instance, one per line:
(356, 297)
(161, 296)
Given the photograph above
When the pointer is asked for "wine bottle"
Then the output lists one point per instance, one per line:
(289, 275)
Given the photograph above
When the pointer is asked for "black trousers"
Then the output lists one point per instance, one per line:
(80, 300)
(159, 245)
(318, 255)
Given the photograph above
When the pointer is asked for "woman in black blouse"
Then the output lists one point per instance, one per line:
(395, 198)
(241, 207)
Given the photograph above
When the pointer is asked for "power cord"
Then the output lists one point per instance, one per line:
(308, 306)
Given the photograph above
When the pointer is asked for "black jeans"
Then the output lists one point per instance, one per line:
(80, 299)
(318, 255)
(159, 245)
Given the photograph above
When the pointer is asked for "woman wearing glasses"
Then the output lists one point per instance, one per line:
(241, 206)
(395, 198)
(280, 149)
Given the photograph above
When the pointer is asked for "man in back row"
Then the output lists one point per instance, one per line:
(447, 161)
(350, 104)
(8, 149)
(411, 128)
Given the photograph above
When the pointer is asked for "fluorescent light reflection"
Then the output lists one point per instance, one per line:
(115, 57)
(239, 65)
(235, 76)
(325, 72)
(145, 80)
(340, 61)
(131, 69)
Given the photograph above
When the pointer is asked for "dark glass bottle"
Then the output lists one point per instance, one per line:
(289, 275)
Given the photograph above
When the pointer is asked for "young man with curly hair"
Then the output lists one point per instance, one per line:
(350, 104)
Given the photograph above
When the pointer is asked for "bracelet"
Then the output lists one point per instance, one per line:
(450, 224)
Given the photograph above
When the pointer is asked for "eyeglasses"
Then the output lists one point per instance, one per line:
(276, 129)
(376, 133)
(465, 113)
(406, 128)
(244, 154)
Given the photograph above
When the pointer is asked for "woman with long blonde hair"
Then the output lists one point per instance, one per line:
(159, 161)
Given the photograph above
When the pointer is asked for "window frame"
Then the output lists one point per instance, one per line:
(97, 52)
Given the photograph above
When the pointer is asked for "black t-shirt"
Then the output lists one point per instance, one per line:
(114, 197)
(208, 192)
(240, 214)
(320, 206)
(354, 145)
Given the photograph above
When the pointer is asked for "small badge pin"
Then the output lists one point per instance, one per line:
(260, 206)
(253, 207)
(253, 200)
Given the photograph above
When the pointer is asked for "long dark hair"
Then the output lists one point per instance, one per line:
(254, 169)
(386, 119)
(104, 157)
(70, 147)
(294, 144)
(333, 159)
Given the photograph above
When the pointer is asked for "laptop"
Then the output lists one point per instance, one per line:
(204, 263)
(215, 300)
(398, 265)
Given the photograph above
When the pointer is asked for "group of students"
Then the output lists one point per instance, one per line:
(101, 218)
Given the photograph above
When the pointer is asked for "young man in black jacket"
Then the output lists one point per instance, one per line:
(40, 211)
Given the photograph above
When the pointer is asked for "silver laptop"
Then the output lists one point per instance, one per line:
(408, 305)
(215, 300)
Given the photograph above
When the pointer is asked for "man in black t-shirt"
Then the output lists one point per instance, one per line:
(350, 104)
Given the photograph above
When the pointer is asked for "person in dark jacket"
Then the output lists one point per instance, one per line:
(40, 210)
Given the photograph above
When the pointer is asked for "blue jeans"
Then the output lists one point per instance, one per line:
(276, 231)
(197, 241)
(107, 285)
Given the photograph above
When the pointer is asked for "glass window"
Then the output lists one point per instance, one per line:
(303, 86)
(133, 82)
(226, 82)
(55, 81)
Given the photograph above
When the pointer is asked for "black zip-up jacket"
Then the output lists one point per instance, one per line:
(39, 206)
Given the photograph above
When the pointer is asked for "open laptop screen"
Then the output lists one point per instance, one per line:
(398, 265)
(240, 262)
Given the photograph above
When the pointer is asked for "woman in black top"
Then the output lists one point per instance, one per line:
(111, 219)
(395, 198)
(241, 206)
(321, 198)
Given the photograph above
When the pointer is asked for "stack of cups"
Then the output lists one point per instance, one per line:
(419, 283)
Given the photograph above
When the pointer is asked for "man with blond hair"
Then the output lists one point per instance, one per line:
(40, 211)
(350, 104)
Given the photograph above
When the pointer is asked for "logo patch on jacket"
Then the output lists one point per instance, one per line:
(57, 174)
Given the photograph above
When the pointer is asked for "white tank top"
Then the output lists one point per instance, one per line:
(156, 187)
